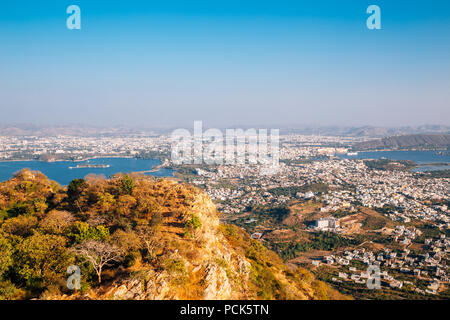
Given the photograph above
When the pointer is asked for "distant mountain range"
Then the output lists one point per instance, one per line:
(369, 131)
(407, 141)
(69, 130)
(87, 130)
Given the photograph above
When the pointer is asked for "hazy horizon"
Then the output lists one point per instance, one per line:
(304, 129)
(272, 63)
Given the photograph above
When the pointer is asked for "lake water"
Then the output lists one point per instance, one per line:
(60, 172)
(419, 157)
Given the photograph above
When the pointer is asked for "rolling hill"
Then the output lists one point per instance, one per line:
(406, 141)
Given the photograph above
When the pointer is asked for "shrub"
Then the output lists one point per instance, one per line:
(127, 185)
(6, 251)
(21, 225)
(320, 290)
(193, 224)
(174, 266)
(8, 291)
(130, 243)
(156, 220)
(81, 231)
(27, 187)
(106, 201)
(20, 208)
(3, 215)
(56, 222)
(265, 282)
(124, 204)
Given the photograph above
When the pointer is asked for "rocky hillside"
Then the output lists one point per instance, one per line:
(133, 237)
(407, 141)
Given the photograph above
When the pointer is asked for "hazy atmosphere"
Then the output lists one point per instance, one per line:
(225, 159)
(225, 62)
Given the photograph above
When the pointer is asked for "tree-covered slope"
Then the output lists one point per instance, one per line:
(133, 237)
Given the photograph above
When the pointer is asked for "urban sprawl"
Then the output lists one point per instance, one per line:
(369, 215)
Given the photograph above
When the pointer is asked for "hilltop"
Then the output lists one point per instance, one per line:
(407, 141)
(159, 240)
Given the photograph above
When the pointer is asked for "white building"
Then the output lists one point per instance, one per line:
(324, 224)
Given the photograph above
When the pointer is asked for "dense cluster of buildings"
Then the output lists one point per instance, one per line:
(78, 148)
(398, 268)
(401, 195)
(350, 183)
(310, 168)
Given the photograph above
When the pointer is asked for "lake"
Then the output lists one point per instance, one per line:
(60, 172)
(419, 157)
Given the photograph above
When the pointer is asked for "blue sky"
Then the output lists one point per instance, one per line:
(274, 63)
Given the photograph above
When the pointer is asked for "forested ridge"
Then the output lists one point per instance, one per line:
(132, 237)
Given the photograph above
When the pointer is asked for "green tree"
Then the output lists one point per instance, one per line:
(76, 192)
(20, 225)
(76, 188)
(81, 231)
(106, 201)
(126, 185)
(6, 252)
(42, 259)
(20, 208)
